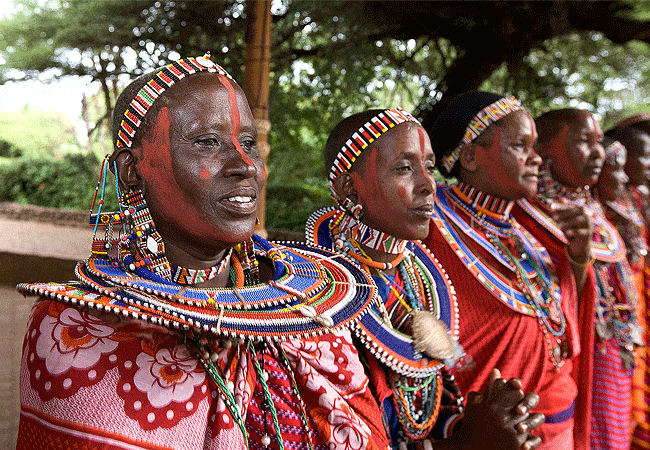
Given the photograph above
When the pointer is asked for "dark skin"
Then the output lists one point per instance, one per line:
(613, 180)
(637, 166)
(200, 172)
(393, 181)
(507, 165)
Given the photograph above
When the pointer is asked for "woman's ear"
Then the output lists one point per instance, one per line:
(467, 158)
(127, 173)
(344, 186)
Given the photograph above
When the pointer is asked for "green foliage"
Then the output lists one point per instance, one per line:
(62, 183)
(329, 60)
(579, 70)
(37, 133)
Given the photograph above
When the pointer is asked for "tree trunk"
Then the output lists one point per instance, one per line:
(256, 82)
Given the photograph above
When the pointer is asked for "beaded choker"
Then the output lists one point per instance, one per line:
(345, 224)
(182, 275)
(606, 244)
(390, 346)
(550, 190)
(430, 299)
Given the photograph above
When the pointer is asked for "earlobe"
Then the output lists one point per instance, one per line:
(467, 158)
(127, 173)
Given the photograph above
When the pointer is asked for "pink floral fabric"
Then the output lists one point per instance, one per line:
(101, 381)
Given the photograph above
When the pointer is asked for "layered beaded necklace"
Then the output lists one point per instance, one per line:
(615, 310)
(417, 385)
(486, 220)
(312, 291)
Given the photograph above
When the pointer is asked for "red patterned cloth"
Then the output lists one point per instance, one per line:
(102, 381)
(641, 393)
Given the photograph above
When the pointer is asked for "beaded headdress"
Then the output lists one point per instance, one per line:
(363, 137)
(479, 123)
(163, 80)
(613, 149)
(632, 120)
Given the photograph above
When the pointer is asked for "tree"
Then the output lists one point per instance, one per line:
(334, 58)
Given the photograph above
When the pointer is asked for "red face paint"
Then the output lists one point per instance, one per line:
(156, 168)
(421, 135)
(204, 173)
(234, 118)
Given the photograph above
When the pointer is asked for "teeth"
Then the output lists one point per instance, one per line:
(240, 199)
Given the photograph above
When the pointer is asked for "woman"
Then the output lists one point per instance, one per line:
(570, 141)
(517, 297)
(185, 330)
(381, 177)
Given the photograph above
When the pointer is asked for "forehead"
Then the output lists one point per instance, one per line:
(519, 122)
(584, 122)
(208, 96)
(404, 138)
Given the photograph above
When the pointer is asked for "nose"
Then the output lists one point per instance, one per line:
(425, 184)
(598, 151)
(239, 164)
(533, 158)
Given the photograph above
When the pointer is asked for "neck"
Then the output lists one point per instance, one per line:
(549, 188)
(495, 208)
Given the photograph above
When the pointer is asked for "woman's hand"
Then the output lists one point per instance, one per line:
(499, 418)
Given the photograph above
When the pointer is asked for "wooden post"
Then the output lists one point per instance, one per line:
(256, 82)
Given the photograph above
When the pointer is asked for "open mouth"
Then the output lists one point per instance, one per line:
(244, 204)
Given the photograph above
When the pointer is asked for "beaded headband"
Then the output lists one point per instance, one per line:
(363, 137)
(479, 123)
(163, 80)
(613, 149)
(641, 117)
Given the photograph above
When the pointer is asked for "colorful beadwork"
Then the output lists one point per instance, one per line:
(162, 81)
(479, 123)
(541, 299)
(363, 137)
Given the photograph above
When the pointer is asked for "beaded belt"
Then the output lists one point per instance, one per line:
(562, 416)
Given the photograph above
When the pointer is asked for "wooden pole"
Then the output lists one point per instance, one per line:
(256, 82)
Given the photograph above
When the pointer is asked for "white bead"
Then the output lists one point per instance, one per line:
(266, 440)
(152, 245)
(231, 386)
(265, 375)
(214, 357)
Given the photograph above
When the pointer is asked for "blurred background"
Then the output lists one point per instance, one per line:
(304, 65)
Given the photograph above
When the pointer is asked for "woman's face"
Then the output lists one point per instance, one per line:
(200, 165)
(577, 152)
(510, 162)
(394, 182)
(612, 184)
(638, 163)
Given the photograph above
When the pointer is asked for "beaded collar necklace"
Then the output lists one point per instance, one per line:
(416, 380)
(388, 345)
(540, 298)
(182, 275)
(345, 224)
(606, 244)
(549, 189)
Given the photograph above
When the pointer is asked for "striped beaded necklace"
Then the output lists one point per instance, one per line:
(541, 298)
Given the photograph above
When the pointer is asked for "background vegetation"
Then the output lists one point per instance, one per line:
(329, 59)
